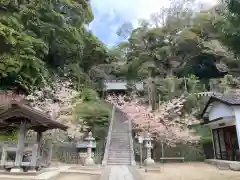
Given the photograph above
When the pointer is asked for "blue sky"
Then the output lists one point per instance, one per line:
(111, 14)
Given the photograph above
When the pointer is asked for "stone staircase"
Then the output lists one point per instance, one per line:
(119, 148)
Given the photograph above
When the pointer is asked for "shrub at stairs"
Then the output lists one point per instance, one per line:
(94, 112)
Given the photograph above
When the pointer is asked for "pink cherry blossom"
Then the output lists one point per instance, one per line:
(169, 123)
(58, 100)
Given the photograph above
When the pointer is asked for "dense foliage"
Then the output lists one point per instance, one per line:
(40, 39)
(47, 50)
(181, 41)
(180, 50)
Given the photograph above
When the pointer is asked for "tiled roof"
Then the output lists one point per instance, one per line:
(228, 98)
(231, 98)
(17, 111)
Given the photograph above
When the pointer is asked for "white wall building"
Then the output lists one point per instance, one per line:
(222, 115)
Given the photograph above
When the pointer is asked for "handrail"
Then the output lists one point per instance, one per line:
(105, 157)
(133, 162)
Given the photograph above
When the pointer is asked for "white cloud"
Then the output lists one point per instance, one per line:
(129, 10)
(110, 14)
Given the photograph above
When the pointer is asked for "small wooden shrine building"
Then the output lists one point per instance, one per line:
(22, 117)
(222, 115)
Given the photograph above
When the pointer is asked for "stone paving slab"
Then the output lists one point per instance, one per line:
(120, 173)
(81, 172)
(43, 176)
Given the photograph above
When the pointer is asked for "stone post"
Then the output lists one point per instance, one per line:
(148, 145)
(89, 160)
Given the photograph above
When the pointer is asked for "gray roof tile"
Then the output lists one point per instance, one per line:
(229, 98)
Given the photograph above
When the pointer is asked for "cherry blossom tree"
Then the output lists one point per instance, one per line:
(169, 123)
(58, 100)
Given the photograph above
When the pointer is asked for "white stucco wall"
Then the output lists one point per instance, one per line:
(220, 110)
(228, 121)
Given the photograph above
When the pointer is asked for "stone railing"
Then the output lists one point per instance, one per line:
(105, 157)
(133, 162)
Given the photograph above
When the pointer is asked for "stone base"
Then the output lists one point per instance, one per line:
(149, 161)
(224, 165)
(32, 171)
(153, 169)
(16, 170)
(89, 162)
(234, 166)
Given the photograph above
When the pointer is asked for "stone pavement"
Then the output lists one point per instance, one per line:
(51, 173)
(122, 173)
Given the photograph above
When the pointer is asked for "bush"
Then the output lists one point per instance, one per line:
(89, 95)
(11, 135)
(206, 140)
(93, 113)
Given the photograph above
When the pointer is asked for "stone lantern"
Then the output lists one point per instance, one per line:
(89, 160)
(148, 144)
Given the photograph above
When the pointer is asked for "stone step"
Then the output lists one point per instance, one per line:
(119, 157)
(122, 139)
(119, 144)
(119, 152)
(119, 139)
(118, 160)
(118, 164)
(125, 137)
(115, 141)
(112, 156)
(115, 162)
(119, 149)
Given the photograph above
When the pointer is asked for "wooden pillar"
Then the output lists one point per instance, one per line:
(20, 146)
(49, 158)
(4, 155)
(39, 143)
(34, 156)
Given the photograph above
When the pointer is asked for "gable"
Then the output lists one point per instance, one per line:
(219, 110)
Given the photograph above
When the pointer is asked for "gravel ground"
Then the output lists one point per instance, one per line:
(190, 171)
(72, 176)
